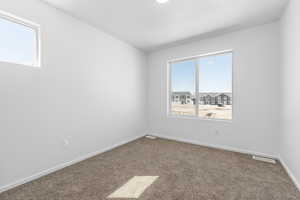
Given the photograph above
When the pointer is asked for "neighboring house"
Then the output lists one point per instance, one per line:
(215, 98)
(182, 98)
(204, 98)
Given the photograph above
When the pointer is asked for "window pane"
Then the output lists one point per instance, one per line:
(18, 43)
(183, 88)
(215, 86)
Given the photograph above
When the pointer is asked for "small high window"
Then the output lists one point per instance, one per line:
(19, 41)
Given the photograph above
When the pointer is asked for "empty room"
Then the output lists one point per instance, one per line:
(149, 100)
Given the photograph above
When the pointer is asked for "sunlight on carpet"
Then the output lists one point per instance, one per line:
(134, 188)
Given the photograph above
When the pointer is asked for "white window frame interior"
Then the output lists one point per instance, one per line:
(31, 25)
(169, 87)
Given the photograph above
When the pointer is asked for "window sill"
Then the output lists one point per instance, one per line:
(199, 118)
(18, 64)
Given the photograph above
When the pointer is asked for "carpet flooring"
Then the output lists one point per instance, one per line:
(186, 172)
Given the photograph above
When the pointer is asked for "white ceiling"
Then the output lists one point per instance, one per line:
(148, 25)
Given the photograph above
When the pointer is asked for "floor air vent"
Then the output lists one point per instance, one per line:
(264, 159)
(151, 137)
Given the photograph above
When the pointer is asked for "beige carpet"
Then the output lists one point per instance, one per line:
(185, 172)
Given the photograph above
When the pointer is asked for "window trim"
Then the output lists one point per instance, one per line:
(169, 86)
(34, 26)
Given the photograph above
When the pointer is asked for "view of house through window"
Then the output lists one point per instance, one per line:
(19, 41)
(183, 85)
(202, 87)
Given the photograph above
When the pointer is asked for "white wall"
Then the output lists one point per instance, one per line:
(90, 90)
(90, 82)
(256, 94)
(290, 87)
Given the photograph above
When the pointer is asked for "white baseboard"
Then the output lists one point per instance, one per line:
(291, 175)
(226, 148)
(221, 147)
(63, 165)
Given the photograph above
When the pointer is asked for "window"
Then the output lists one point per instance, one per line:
(19, 41)
(207, 80)
(183, 84)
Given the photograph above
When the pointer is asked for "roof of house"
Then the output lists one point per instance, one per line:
(214, 94)
(204, 94)
(182, 93)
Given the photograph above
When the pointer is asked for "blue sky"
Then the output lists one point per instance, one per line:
(215, 74)
(17, 43)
